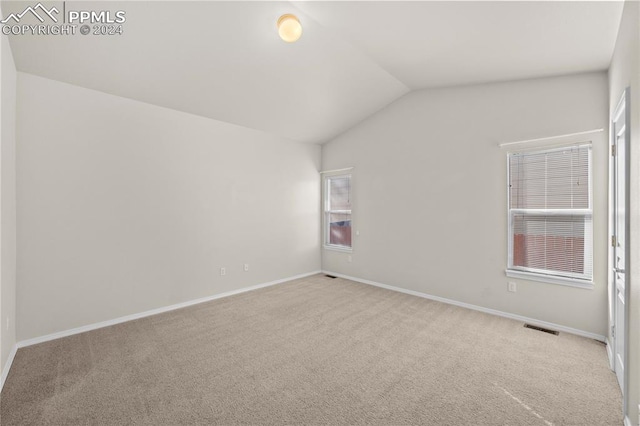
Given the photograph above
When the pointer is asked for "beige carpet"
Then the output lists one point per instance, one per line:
(314, 351)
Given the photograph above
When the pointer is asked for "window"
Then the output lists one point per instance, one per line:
(550, 215)
(337, 212)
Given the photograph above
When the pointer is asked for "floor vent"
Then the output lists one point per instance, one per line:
(330, 276)
(545, 330)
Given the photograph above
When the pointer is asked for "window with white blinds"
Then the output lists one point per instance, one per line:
(550, 213)
(337, 212)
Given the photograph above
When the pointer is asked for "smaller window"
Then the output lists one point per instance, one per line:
(337, 212)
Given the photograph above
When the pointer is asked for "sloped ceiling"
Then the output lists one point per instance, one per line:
(224, 60)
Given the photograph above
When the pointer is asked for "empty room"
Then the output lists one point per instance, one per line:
(320, 213)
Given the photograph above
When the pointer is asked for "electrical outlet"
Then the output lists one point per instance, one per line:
(223, 271)
(512, 287)
(246, 267)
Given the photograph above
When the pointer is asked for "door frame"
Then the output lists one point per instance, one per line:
(624, 102)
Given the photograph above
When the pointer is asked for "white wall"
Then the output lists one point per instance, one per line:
(625, 72)
(7, 204)
(125, 207)
(430, 193)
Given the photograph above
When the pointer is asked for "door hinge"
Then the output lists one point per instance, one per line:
(613, 241)
(613, 331)
(613, 150)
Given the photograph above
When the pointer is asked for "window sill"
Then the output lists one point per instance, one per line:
(339, 248)
(571, 282)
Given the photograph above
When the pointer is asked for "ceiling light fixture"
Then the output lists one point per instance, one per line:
(289, 28)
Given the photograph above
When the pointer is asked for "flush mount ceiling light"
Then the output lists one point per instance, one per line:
(289, 28)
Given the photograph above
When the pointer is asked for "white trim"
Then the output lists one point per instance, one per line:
(343, 249)
(550, 279)
(7, 366)
(548, 138)
(622, 102)
(532, 321)
(627, 421)
(562, 147)
(336, 170)
(609, 354)
(151, 312)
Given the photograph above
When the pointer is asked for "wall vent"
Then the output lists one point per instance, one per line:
(544, 330)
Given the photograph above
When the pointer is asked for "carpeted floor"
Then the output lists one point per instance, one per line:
(314, 351)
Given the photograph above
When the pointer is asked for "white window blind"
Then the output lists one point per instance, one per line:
(550, 213)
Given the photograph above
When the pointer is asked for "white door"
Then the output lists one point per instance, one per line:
(620, 133)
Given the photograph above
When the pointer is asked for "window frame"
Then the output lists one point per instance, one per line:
(326, 212)
(545, 275)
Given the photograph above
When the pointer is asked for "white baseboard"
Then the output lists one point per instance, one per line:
(7, 366)
(627, 421)
(532, 321)
(89, 327)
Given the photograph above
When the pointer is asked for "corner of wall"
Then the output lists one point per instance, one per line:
(8, 77)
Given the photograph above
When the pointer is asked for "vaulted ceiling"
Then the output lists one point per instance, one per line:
(224, 60)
